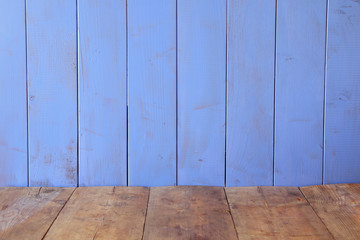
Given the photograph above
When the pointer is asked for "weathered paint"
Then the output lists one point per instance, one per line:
(52, 92)
(201, 91)
(342, 122)
(102, 92)
(152, 92)
(13, 118)
(250, 92)
(200, 79)
(299, 91)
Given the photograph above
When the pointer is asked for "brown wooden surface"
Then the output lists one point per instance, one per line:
(186, 212)
(182, 212)
(274, 213)
(102, 213)
(339, 208)
(27, 213)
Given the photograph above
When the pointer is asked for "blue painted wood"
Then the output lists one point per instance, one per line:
(201, 91)
(13, 112)
(152, 92)
(299, 88)
(250, 89)
(102, 92)
(342, 125)
(52, 86)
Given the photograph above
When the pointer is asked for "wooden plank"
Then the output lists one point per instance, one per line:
(102, 213)
(250, 88)
(102, 92)
(338, 206)
(274, 213)
(152, 92)
(188, 212)
(201, 92)
(13, 117)
(52, 86)
(342, 128)
(27, 213)
(299, 91)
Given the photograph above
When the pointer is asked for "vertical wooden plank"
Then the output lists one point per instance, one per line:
(52, 86)
(342, 126)
(102, 95)
(152, 92)
(13, 116)
(201, 91)
(250, 84)
(299, 89)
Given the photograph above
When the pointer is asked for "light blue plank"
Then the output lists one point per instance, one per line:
(102, 92)
(250, 84)
(201, 91)
(152, 92)
(13, 118)
(342, 125)
(299, 89)
(52, 86)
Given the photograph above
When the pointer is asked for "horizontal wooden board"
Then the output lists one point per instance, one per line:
(27, 213)
(102, 213)
(338, 206)
(188, 212)
(274, 213)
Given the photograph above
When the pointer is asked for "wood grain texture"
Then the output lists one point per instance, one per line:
(250, 89)
(342, 128)
(102, 213)
(102, 94)
(188, 212)
(299, 92)
(274, 213)
(338, 206)
(201, 91)
(152, 92)
(27, 213)
(13, 116)
(52, 87)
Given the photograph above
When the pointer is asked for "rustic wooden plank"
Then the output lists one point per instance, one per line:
(299, 91)
(152, 92)
(338, 206)
(201, 91)
(342, 128)
(102, 213)
(188, 212)
(274, 213)
(52, 87)
(13, 116)
(27, 213)
(102, 92)
(250, 88)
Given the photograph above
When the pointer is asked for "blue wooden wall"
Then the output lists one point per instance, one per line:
(179, 92)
